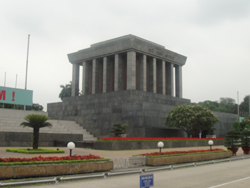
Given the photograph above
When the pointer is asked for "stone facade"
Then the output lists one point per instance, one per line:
(144, 112)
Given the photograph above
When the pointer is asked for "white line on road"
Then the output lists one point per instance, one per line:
(230, 182)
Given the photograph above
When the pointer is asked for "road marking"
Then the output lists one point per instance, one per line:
(229, 182)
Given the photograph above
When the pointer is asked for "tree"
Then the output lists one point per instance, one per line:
(244, 105)
(225, 104)
(211, 105)
(36, 122)
(244, 122)
(66, 91)
(191, 119)
(228, 104)
(35, 107)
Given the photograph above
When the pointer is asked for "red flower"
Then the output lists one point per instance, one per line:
(40, 158)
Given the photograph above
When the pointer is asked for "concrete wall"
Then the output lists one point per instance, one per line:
(152, 144)
(225, 122)
(18, 113)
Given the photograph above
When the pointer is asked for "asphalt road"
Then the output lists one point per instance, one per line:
(235, 174)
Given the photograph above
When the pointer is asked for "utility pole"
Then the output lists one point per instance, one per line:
(27, 66)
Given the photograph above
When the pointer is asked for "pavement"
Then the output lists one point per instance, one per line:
(104, 154)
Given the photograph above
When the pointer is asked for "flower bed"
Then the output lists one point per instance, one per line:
(50, 160)
(129, 139)
(178, 153)
(48, 166)
(175, 157)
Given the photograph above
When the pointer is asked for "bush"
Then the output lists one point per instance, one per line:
(233, 137)
(119, 129)
(245, 140)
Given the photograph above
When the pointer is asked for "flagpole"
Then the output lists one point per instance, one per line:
(27, 66)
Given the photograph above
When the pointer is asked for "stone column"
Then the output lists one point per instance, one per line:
(105, 75)
(75, 80)
(178, 81)
(154, 75)
(143, 79)
(169, 79)
(117, 72)
(163, 77)
(94, 73)
(84, 78)
(131, 59)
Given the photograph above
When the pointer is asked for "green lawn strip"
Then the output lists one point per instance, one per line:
(38, 151)
(51, 162)
(156, 140)
(174, 155)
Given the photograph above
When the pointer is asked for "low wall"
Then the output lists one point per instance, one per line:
(78, 144)
(22, 139)
(151, 145)
(186, 158)
(10, 172)
(18, 113)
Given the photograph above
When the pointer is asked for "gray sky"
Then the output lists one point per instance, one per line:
(213, 34)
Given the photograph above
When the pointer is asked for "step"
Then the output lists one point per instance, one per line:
(58, 126)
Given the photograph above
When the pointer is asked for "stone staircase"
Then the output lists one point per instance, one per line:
(12, 124)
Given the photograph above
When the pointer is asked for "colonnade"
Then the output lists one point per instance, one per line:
(126, 71)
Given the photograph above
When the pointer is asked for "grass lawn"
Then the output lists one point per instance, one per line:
(31, 151)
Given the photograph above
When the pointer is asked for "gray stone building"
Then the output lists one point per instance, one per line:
(124, 80)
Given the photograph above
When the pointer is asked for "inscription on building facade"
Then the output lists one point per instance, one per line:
(157, 52)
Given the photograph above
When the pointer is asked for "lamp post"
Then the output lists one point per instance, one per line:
(160, 145)
(210, 143)
(71, 146)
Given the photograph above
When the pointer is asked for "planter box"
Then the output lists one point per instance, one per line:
(151, 144)
(186, 158)
(9, 172)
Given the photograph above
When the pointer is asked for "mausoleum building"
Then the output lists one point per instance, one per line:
(127, 80)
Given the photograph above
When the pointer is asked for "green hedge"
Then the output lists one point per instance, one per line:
(51, 162)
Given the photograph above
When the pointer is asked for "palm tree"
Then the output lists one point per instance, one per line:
(66, 91)
(36, 122)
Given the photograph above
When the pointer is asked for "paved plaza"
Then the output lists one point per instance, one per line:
(103, 153)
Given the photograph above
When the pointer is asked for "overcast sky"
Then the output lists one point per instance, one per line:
(213, 34)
